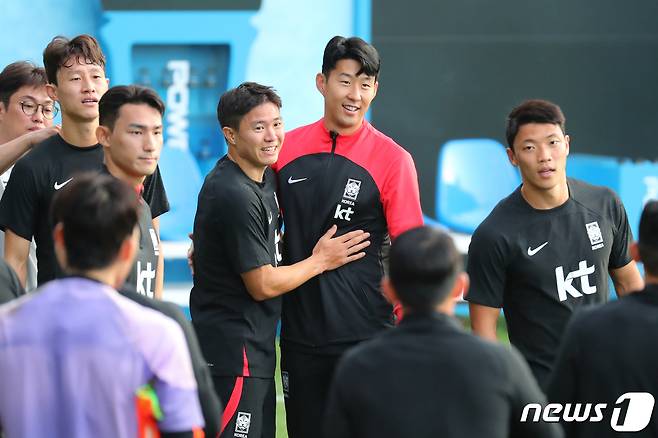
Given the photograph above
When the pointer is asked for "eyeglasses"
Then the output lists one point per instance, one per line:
(30, 108)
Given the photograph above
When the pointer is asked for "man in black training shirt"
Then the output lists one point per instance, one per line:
(610, 351)
(548, 247)
(428, 377)
(237, 281)
(130, 130)
(76, 75)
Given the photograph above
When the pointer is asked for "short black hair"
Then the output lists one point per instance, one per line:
(116, 97)
(424, 264)
(84, 48)
(648, 238)
(339, 48)
(98, 212)
(533, 111)
(238, 101)
(20, 74)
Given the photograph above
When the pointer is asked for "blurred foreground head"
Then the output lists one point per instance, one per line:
(425, 270)
(95, 219)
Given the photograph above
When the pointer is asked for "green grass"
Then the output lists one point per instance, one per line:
(281, 431)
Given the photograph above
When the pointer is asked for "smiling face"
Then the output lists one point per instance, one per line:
(257, 142)
(79, 88)
(132, 148)
(347, 96)
(13, 120)
(540, 151)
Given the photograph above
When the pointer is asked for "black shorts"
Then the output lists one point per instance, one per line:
(249, 406)
(306, 379)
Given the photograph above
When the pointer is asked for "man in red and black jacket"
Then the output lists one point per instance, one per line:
(338, 171)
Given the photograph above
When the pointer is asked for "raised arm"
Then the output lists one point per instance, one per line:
(11, 151)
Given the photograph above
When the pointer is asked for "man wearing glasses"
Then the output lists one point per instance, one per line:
(26, 118)
(76, 80)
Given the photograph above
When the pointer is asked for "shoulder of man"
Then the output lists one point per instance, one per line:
(592, 196)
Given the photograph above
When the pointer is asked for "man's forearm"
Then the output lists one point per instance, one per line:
(269, 282)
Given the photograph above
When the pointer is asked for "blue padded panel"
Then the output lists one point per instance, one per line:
(473, 176)
(182, 180)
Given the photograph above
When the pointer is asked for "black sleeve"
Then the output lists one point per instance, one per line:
(245, 224)
(211, 407)
(155, 194)
(337, 414)
(620, 255)
(486, 268)
(19, 204)
(525, 390)
(10, 286)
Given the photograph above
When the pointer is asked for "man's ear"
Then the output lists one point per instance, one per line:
(51, 90)
(60, 247)
(389, 291)
(103, 134)
(635, 252)
(3, 111)
(511, 156)
(321, 83)
(128, 248)
(229, 135)
(567, 140)
(460, 288)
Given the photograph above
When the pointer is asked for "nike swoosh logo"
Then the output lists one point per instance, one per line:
(532, 252)
(293, 181)
(59, 186)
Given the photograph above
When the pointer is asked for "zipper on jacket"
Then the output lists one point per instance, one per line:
(326, 185)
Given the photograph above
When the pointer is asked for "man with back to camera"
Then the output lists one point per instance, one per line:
(547, 248)
(339, 171)
(76, 75)
(26, 118)
(609, 352)
(235, 302)
(130, 130)
(428, 377)
(73, 356)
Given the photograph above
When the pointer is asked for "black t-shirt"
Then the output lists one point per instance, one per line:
(540, 265)
(428, 378)
(607, 352)
(10, 286)
(53, 163)
(236, 230)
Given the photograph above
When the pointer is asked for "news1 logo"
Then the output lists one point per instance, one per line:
(631, 412)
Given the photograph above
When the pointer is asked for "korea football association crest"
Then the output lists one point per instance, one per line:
(242, 424)
(352, 189)
(344, 210)
(594, 234)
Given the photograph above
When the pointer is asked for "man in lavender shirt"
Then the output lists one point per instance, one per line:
(73, 355)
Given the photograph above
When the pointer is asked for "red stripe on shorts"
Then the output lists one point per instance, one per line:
(236, 394)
